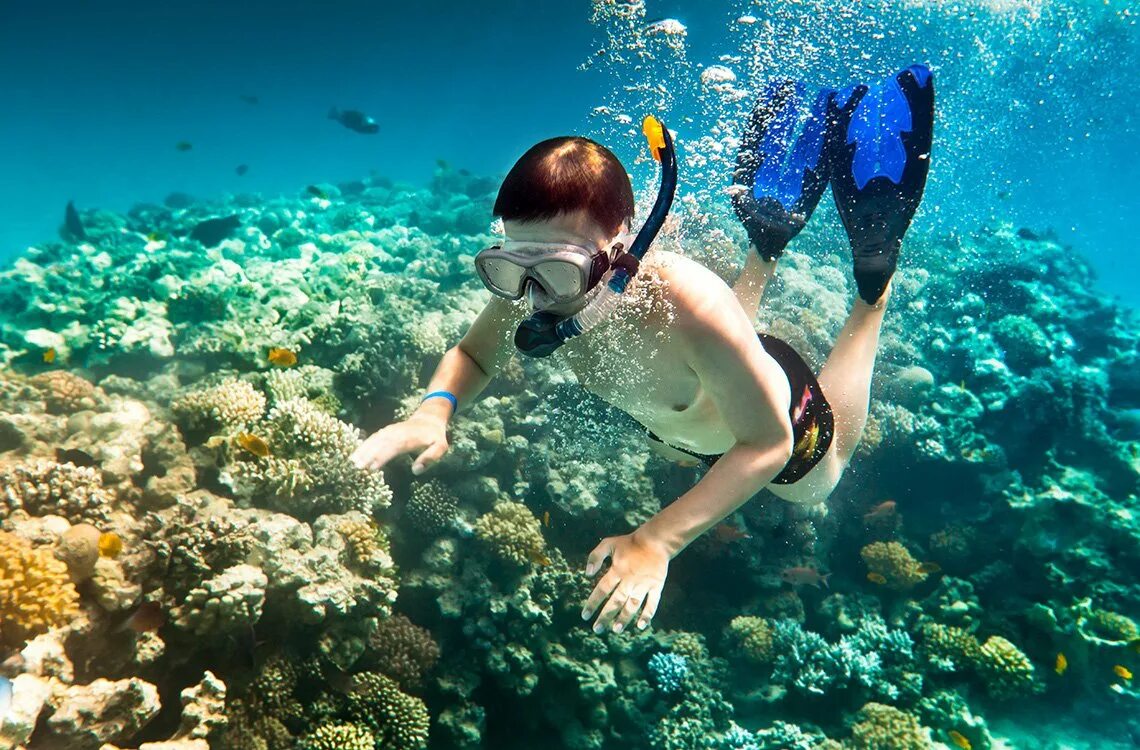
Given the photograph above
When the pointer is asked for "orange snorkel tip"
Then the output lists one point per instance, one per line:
(655, 134)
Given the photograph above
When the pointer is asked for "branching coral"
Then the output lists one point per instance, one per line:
(894, 563)
(669, 671)
(432, 508)
(512, 533)
(35, 591)
(338, 737)
(1005, 670)
(46, 487)
(398, 720)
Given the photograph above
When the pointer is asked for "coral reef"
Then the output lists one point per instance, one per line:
(36, 593)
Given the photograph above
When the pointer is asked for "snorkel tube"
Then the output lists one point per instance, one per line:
(542, 333)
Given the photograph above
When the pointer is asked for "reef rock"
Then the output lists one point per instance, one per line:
(86, 716)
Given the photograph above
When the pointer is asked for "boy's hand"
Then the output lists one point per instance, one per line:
(420, 433)
(633, 583)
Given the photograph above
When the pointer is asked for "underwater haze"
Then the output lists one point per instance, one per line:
(237, 238)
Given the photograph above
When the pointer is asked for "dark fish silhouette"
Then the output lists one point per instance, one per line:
(249, 99)
(212, 231)
(183, 146)
(74, 456)
(72, 223)
(354, 120)
(242, 169)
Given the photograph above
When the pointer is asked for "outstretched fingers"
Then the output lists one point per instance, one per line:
(601, 593)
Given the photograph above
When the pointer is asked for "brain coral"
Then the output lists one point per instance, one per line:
(893, 562)
(65, 392)
(36, 593)
(512, 533)
(47, 488)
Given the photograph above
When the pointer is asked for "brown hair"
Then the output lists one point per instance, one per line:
(567, 174)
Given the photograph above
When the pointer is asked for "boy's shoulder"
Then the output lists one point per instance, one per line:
(687, 285)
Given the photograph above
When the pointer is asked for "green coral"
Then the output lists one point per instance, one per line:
(752, 637)
(339, 737)
(1005, 670)
(882, 727)
(512, 533)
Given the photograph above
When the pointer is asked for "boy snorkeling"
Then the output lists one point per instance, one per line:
(683, 357)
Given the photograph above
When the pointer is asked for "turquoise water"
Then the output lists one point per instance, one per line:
(195, 400)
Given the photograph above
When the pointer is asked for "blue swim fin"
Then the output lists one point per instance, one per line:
(781, 164)
(879, 140)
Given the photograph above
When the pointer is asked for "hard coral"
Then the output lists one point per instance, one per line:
(65, 392)
(49, 488)
(398, 720)
(1005, 670)
(230, 405)
(512, 533)
(752, 636)
(882, 727)
(948, 648)
(36, 593)
(893, 562)
(432, 507)
(1111, 626)
(402, 650)
(338, 737)
(225, 603)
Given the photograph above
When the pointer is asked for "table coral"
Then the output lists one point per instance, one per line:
(894, 563)
(36, 593)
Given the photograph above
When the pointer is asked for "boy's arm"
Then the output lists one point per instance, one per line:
(751, 394)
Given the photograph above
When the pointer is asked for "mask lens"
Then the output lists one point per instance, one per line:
(502, 277)
(561, 280)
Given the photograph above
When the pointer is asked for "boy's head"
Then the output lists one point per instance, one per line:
(567, 178)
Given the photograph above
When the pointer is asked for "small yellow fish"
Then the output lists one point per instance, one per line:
(110, 545)
(282, 357)
(546, 518)
(49, 356)
(878, 578)
(930, 567)
(1123, 673)
(540, 558)
(1061, 665)
(958, 739)
(156, 237)
(253, 444)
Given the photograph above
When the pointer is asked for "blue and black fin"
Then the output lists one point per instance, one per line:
(781, 164)
(879, 140)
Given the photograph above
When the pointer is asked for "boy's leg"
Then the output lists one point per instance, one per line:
(749, 286)
(846, 376)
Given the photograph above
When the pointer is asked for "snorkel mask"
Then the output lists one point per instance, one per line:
(566, 272)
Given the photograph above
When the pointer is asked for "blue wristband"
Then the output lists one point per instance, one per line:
(443, 394)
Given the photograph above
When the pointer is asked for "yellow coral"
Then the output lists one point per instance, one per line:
(36, 593)
(753, 636)
(512, 533)
(894, 563)
(1005, 670)
(882, 727)
(953, 647)
(367, 545)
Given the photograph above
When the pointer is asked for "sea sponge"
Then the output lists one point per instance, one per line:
(36, 593)
(65, 392)
(402, 650)
(893, 562)
(752, 636)
(882, 727)
(338, 737)
(512, 533)
(399, 721)
(432, 507)
(948, 648)
(78, 548)
(47, 488)
(230, 405)
(1005, 670)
